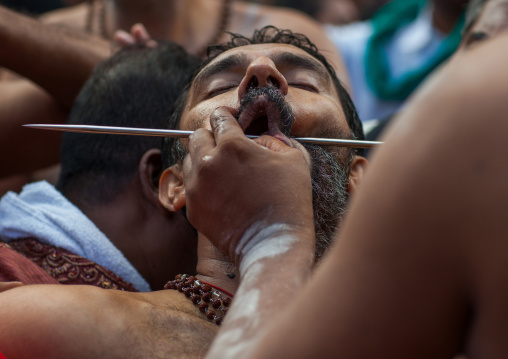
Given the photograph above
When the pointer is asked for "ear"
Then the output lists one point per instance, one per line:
(172, 188)
(358, 167)
(150, 168)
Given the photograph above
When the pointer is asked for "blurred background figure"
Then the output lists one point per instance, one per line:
(325, 11)
(36, 7)
(389, 55)
(484, 19)
(367, 8)
(331, 11)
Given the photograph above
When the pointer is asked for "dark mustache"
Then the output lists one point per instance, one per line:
(273, 95)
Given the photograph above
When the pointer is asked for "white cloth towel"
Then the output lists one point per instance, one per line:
(42, 212)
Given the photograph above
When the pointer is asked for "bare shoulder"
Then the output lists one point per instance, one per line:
(480, 187)
(175, 328)
(85, 321)
(73, 16)
(436, 197)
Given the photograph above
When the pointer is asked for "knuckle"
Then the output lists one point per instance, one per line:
(234, 147)
(197, 133)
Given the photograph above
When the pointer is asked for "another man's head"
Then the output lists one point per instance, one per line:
(278, 84)
(137, 87)
(114, 179)
(484, 19)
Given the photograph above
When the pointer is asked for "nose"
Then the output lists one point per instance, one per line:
(262, 72)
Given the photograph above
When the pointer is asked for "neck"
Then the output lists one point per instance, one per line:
(214, 267)
(158, 243)
(446, 15)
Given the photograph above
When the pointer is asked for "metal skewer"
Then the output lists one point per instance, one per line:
(183, 134)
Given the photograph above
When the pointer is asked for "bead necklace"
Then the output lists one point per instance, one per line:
(206, 296)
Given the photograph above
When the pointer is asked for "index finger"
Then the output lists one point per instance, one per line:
(141, 36)
(224, 125)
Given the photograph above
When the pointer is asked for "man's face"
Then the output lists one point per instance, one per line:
(492, 20)
(282, 91)
(301, 80)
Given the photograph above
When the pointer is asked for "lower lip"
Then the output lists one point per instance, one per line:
(281, 138)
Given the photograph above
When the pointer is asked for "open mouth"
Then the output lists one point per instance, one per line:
(260, 116)
(258, 125)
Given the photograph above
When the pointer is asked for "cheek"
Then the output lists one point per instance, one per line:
(199, 115)
(316, 116)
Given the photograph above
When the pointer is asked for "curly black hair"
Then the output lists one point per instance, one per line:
(265, 35)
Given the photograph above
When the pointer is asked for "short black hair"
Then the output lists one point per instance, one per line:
(266, 35)
(136, 87)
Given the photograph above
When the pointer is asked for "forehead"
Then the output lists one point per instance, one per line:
(229, 68)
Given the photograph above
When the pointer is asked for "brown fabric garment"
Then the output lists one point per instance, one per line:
(64, 266)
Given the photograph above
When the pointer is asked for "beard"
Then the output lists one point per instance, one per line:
(330, 180)
(329, 170)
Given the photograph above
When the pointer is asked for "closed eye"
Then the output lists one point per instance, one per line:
(475, 37)
(220, 90)
(304, 86)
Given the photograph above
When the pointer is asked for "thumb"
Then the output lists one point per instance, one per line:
(271, 143)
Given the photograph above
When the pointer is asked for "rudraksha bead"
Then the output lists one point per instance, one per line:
(195, 299)
(216, 303)
(207, 297)
(210, 314)
(203, 295)
(227, 302)
(188, 292)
